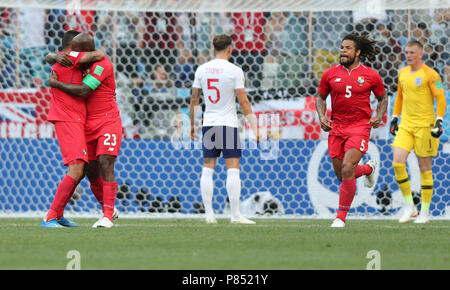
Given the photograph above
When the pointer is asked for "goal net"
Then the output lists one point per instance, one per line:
(155, 46)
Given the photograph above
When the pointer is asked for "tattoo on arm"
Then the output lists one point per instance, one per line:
(321, 105)
(382, 105)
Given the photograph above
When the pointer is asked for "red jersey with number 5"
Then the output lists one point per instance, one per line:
(350, 95)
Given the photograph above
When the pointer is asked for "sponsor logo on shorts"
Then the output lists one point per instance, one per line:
(111, 149)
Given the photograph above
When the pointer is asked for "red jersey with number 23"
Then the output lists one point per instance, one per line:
(350, 97)
(103, 123)
(64, 107)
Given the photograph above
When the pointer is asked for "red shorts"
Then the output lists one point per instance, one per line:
(72, 141)
(339, 144)
(103, 137)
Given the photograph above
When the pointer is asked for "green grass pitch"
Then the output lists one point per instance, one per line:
(190, 244)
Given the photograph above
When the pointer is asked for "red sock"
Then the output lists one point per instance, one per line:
(97, 189)
(346, 195)
(60, 213)
(109, 198)
(363, 170)
(65, 188)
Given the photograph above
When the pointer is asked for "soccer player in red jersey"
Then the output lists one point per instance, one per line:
(103, 124)
(350, 84)
(68, 114)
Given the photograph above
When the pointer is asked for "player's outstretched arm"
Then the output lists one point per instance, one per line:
(381, 110)
(195, 97)
(246, 108)
(92, 56)
(75, 90)
(60, 58)
(321, 108)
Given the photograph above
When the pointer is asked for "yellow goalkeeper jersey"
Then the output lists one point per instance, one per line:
(415, 97)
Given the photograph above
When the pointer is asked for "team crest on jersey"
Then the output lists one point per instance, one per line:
(361, 80)
(337, 80)
(418, 81)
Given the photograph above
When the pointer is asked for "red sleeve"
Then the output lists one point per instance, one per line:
(378, 87)
(99, 71)
(324, 86)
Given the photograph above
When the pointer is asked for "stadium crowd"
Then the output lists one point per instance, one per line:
(283, 54)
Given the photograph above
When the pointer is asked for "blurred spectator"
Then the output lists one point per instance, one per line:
(186, 31)
(33, 70)
(440, 26)
(220, 23)
(389, 59)
(329, 27)
(158, 107)
(295, 34)
(440, 35)
(160, 87)
(248, 42)
(365, 18)
(80, 20)
(54, 27)
(129, 35)
(7, 53)
(184, 70)
(431, 51)
(273, 31)
(160, 38)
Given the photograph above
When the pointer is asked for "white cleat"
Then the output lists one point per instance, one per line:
(338, 223)
(423, 218)
(409, 211)
(211, 220)
(104, 222)
(115, 213)
(369, 180)
(243, 221)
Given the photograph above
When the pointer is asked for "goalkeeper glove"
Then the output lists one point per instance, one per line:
(394, 126)
(436, 132)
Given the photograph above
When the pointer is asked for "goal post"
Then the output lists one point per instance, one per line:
(155, 46)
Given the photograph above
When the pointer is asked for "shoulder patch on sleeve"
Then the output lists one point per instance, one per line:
(98, 70)
(74, 53)
(438, 85)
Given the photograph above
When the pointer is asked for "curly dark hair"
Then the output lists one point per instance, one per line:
(368, 47)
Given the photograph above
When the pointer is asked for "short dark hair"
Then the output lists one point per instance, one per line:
(414, 42)
(221, 42)
(67, 38)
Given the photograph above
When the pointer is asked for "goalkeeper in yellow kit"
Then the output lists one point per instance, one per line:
(420, 128)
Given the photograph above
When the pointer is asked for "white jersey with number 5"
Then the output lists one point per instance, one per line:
(218, 80)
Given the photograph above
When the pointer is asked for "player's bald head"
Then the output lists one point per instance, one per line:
(83, 42)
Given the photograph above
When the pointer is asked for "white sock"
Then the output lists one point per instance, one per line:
(207, 190)
(234, 191)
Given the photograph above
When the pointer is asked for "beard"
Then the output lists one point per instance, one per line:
(349, 62)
